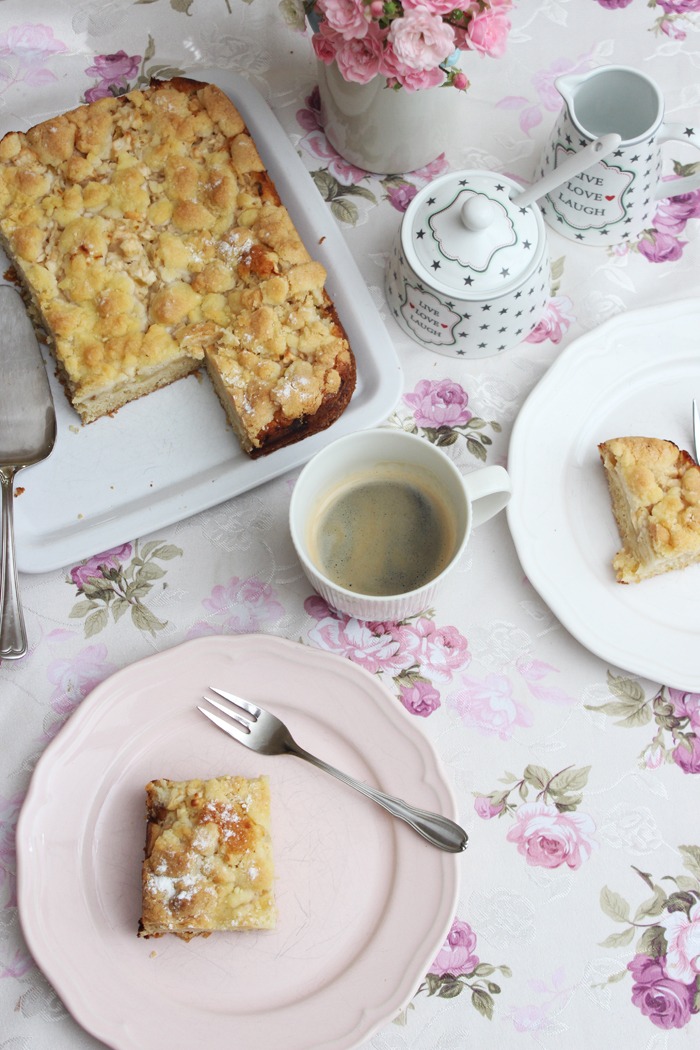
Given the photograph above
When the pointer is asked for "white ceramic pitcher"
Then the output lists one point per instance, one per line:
(613, 200)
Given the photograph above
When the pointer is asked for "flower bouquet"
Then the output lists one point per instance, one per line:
(413, 44)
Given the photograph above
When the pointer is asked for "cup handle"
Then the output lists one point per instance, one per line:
(489, 490)
(678, 133)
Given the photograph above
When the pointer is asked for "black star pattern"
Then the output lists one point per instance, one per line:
(689, 132)
(527, 244)
(420, 234)
(435, 264)
(505, 272)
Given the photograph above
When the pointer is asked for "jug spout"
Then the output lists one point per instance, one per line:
(568, 85)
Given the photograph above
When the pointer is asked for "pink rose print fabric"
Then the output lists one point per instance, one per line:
(458, 968)
(665, 929)
(674, 714)
(548, 830)
(417, 654)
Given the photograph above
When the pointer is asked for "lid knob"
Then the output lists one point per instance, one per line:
(477, 213)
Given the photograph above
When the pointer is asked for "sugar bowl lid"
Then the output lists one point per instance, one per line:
(465, 235)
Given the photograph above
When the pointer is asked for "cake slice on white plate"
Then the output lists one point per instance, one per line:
(655, 494)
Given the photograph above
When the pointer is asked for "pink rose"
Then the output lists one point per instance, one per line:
(486, 808)
(678, 7)
(375, 650)
(683, 940)
(347, 17)
(30, 41)
(457, 953)
(439, 403)
(687, 754)
(421, 40)
(401, 196)
(667, 1003)
(661, 247)
(416, 79)
(490, 706)
(548, 838)
(93, 567)
(420, 698)
(554, 322)
(326, 43)
(359, 60)
(438, 651)
(488, 32)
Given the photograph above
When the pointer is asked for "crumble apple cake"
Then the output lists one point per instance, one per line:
(208, 859)
(150, 240)
(655, 495)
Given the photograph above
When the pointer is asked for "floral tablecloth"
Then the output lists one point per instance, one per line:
(579, 916)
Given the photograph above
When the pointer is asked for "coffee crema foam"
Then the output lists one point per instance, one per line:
(383, 531)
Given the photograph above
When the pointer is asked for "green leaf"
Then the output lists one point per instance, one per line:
(148, 549)
(150, 571)
(95, 622)
(326, 184)
(537, 776)
(619, 976)
(360, 191)
(496, 426)
(119, 607)
(653, 942)
(96, 587)
(476, 449)
(449, 989)
(345, 211)
(482, 1002)
(145, 620)
(476, 424)
(649, 909)
(433, 983)
(506, 971)
(682, 901)
(625, 687)
(167, 551)
(614, 906)
(82, 609)
(619, 940)
(484, 970)
(569, 780)
(495, 989)
(446, 438)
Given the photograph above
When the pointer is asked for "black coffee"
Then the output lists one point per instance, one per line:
(387, 532)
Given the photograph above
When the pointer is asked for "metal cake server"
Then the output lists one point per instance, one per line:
(262, 731)
(27, 436)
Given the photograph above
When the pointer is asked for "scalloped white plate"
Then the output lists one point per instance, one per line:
(364, 903)
(172, 454)
(634, 375)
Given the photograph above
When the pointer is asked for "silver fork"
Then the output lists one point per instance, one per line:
(265, 733)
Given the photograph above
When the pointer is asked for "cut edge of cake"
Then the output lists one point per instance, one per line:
(654, 489)
(207, 863)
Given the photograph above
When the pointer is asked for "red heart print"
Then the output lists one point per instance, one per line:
(443, 325)
(611, 198)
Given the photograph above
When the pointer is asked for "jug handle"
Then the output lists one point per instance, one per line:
(678, 133)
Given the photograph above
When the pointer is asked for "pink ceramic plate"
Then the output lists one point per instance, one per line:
(364, 903)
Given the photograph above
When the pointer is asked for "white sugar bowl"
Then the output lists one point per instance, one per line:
(469, 275)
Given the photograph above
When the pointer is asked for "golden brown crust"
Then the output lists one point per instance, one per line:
(655, 493)
(149, 234)
(208, 861)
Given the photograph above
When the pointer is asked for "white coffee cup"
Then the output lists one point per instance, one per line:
(401, 462)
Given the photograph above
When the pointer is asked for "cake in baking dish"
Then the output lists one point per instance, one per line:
(150, 241)
(655, 494)
(208, 859)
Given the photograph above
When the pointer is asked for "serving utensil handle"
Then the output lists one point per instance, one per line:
(440, 831)
(13, 637)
